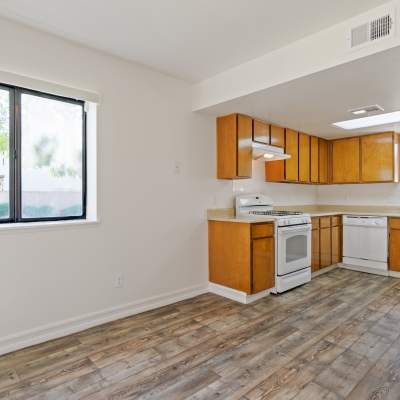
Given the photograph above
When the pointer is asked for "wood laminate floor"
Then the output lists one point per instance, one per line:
(337, 337)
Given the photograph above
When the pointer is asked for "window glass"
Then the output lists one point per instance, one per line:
(4, 154)
(51, 158)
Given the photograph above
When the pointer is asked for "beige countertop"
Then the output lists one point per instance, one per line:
(228, 214)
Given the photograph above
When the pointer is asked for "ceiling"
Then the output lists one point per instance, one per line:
(189, 39)
(311, 104)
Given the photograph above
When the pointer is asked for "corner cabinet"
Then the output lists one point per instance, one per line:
(242, 255)
(234, 150)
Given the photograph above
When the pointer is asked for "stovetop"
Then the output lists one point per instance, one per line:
(259, 205)
(275, 213)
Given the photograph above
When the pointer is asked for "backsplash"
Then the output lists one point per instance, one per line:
(286, 194)
(281, 193)
(378, 194)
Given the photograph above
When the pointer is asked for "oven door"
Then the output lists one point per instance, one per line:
(294, 248)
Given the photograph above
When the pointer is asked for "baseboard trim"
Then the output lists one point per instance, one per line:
(367, 270)
(324, 270)
(236, 295)
(394, 274)
(66, 327)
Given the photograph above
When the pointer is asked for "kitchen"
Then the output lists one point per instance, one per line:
(300, 241)
(200, 199)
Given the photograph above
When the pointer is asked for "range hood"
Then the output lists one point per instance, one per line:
(267, 152)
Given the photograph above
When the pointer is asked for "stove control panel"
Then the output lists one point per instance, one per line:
(294, 221)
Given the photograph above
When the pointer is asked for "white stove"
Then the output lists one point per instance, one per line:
(260, 206)
(293, 239)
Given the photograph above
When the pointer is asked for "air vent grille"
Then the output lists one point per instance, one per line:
(381, 27)
(371, 31)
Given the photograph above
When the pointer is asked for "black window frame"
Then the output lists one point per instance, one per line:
(15, 179)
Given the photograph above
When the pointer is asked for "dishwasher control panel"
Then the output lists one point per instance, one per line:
(365, 220)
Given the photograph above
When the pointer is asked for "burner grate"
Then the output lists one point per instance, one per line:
(276, 213)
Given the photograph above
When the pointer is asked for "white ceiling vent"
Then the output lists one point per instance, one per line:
(373, 30)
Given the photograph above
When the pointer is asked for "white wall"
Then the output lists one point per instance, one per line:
(282, 194)
(383, 194)
(152, 228)
(325, 49)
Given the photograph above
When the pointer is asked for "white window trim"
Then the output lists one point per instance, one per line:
(47, 225)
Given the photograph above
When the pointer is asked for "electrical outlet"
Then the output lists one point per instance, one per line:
(119, 281)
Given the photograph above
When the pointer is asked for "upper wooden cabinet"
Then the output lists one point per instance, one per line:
(379, 162)
(292, 148)
(277, 136)
(346, 160)
(372, 158)
(275, 171)
(288, 170)
(261, 131)
(323, 163)
(234, 151)
(304, 158)
(314, 160)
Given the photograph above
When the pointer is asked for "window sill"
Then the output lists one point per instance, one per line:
(47, 224)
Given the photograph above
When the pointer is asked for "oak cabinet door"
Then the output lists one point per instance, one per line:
(260, 131)
(226, 147)
(275, 170)
(346, 160)
(263, 264)
(292, 148)
(336, 244)
(304, 158)
(325, 247)
(277, 136)
(315, 259)
(394, 250)
(323, 161)
(229, 255)
(245, 151)
(377, 157)
(314, 160)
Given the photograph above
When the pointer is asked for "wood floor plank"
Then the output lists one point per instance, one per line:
(336, 338)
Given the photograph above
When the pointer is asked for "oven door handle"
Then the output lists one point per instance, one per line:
(295, 229)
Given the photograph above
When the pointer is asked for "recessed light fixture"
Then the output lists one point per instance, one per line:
(366, 109)
(373, 120)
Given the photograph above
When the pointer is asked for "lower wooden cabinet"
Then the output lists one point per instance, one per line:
(336, 244)
(326, 243)
(242, 255)
(325, 247)
(315, 257)
(263, 264)
(394, 244)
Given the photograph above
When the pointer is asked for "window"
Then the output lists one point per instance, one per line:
(42, 156)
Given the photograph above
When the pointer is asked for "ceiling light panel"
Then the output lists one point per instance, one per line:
(366, 122)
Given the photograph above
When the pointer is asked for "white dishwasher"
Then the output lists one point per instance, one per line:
(365, 243)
